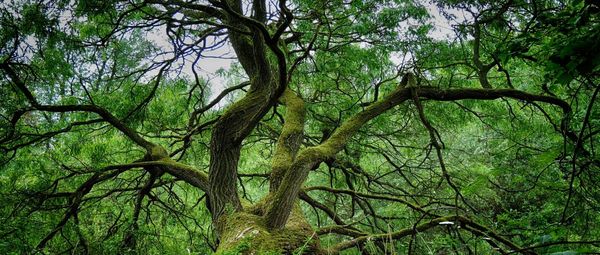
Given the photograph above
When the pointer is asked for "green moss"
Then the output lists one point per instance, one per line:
(244, 233)
(291, 134)
(156, 152)
(241, 248)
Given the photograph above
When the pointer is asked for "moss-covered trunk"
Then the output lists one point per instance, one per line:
(246, 233)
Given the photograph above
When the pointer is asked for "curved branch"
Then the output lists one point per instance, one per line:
(182, 171)
(243, 116)
(368, 195)
(212, 103)
(284, 198)
(106, 115)
(76, 199)
(330, 213)
(43, 136)
(469, 226)
(388, 236)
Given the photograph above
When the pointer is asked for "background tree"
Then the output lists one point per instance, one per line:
(343, 127)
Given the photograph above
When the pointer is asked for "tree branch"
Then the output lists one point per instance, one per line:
(284, 198)
(184, 172)
(106, 115)
(469, 226)
(290, 138)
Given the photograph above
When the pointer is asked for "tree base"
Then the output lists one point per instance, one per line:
(245, 233)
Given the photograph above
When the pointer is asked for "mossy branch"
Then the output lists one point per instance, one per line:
(182, 171)
(290, 138)
(287, 192)
(284, 198)
(468, 224)
(243, 116)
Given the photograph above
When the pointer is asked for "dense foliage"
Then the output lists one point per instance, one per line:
(332, 127)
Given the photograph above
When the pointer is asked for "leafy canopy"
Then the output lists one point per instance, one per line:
(352, 127)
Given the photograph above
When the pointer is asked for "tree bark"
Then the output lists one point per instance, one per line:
(246, 233)
(290, 138)
(241, 117)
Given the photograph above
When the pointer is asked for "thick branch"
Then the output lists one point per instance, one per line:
(184, 172)
(469, 226)
(284, 198)
(461, 94)
(290, 138)
(390, 236)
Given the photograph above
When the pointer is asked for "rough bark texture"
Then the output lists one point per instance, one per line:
(240, 118)
(287, 192)
(290, 138)
(246, 233)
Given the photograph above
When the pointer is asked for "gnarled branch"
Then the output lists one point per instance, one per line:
(284, 198)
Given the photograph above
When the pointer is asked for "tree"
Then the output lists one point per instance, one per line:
(344, 127)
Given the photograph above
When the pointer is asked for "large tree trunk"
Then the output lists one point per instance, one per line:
(244, 229)
(245, 232)
(241, 117)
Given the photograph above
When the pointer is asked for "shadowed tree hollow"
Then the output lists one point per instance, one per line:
(299, 127)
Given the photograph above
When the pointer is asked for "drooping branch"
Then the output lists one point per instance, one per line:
(330, 213)
(284, 198)
(438, 145)
(129, 241)
(469, 226)
(369, 195)
(492, 94)
(106, 115)
(579, 149)
(39, 137)
(389, 236)
(76, 198)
